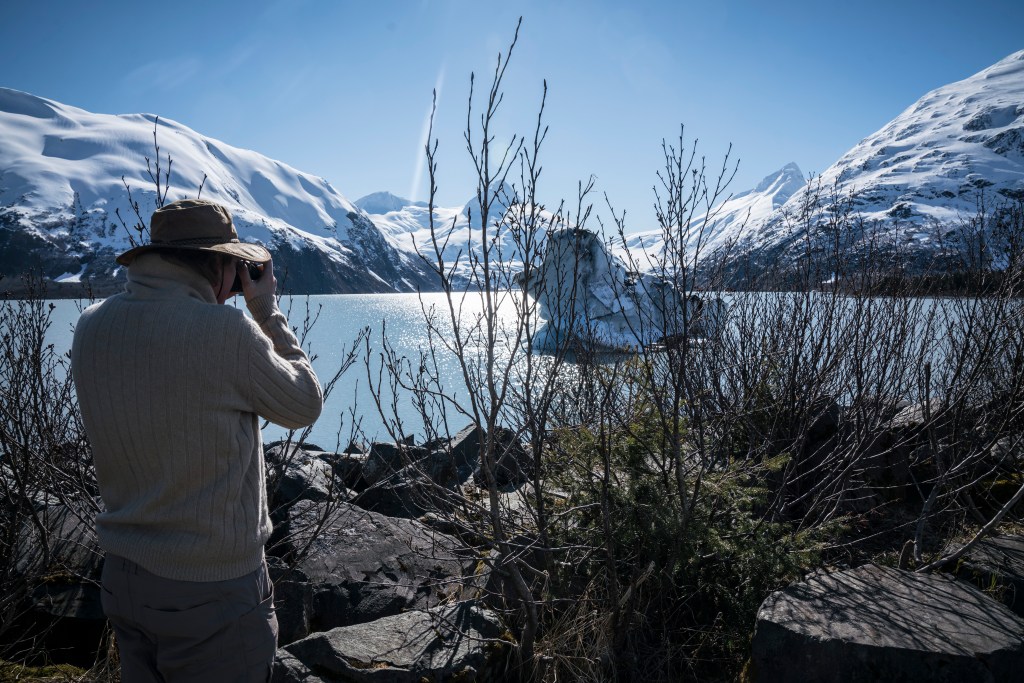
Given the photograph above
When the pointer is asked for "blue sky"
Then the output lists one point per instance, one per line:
(341, 89)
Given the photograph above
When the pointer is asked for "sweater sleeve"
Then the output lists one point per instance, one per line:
(287, 391)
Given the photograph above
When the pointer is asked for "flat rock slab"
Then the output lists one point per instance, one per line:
(879, 624)
(356, 566)
(457, 642)
(998, 560)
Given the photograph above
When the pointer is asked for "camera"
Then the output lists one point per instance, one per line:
(255, 271)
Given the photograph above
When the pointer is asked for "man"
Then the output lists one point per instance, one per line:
(172, 387)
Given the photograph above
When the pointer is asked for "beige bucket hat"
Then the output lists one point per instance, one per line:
(195, 224)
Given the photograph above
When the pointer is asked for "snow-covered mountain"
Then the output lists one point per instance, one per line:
(725, 224)
(61, 172)
(457, 231)
(924, 171)
(407, 225)
(384, 202)
(61, 188)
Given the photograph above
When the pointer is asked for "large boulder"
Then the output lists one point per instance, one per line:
(997, 562)
(512, 462)
(902, 443)
(879, 624)
(456, 642)
(384, 459)
(408, 493)
(295, 473)
(892, 447)
(463, 449)
(404, 481)
(63, 615)
(348, 466)
(293, 601)
(350, 566)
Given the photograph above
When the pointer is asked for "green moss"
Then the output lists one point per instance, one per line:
(366, 666)
(11, 672)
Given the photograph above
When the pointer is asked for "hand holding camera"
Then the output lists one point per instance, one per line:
(255, 279)
(254, 269)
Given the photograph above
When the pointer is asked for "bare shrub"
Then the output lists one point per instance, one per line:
(837, 411)
(48, 494)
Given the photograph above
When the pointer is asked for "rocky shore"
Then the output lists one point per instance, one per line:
(374, 582)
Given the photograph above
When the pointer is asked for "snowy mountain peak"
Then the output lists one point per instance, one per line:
(932, 156)
(500, 199)
(1012, 64)
(730, 220)
(781, 184)
(384, 202)
(928, 167)
(18, 102)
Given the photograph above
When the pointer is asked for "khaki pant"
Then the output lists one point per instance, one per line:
(174, 631)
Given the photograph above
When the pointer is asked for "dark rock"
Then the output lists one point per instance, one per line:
(406, 493)
(26, 251)
(825, 418)
(407, 481)
(355, 566)
(305, 269)
(301, 476)
(63, 617)
(464, 448)
(878, 624)
(424, 486)
(348, 467)
(512, 463)
(385, 459)
(293, 601)
(810, 436)
(885, 464)
(442, 468)
(897, 447)
(997, 562)
(296, 526)
(459, 642)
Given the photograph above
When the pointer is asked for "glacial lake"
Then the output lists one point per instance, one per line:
(339, 318)
(396, 325)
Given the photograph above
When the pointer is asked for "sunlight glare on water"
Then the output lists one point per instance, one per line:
(337, 321)
(396, 322)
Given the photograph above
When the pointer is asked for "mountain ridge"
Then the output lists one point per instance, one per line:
(63, 185)
(63, 172)
(922, 173)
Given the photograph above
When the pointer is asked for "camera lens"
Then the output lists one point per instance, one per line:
(255, 271)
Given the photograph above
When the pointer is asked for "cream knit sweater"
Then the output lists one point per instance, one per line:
(171, 387)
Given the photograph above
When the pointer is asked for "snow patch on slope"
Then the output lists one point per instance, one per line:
(58, 159)
(927, 166)
(724, 225)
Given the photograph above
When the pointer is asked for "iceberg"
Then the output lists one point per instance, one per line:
(588, 299)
